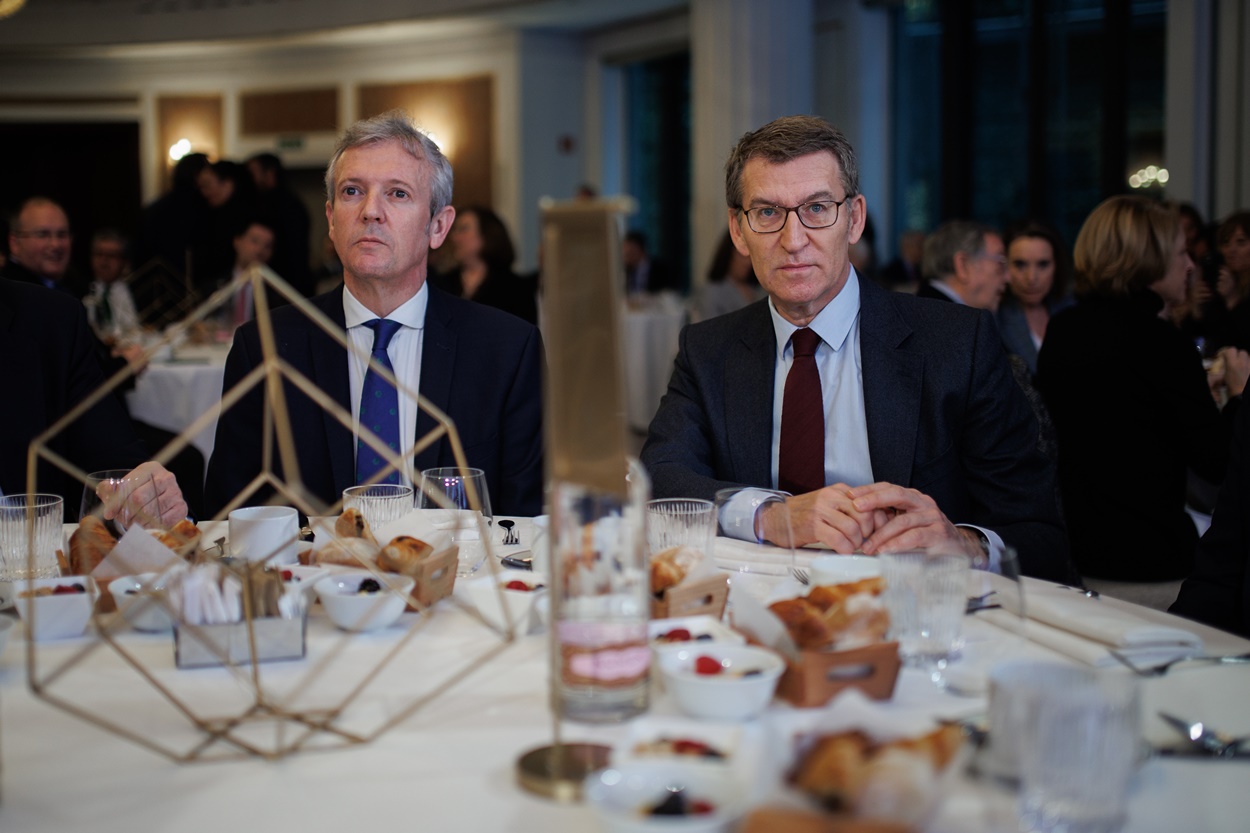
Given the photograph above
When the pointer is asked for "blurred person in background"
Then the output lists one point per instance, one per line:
(39, 247)
(1039, 272)
(731, 283)
(1131, 404)
(1233, 281)
(965, 263)
(644, 275)
(110, 305)
(482, 267)
(231, 196)
(904, 273)
(287, 215)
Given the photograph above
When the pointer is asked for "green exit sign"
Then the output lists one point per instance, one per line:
(290, 143)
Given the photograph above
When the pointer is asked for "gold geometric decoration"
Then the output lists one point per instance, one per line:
(348, 688)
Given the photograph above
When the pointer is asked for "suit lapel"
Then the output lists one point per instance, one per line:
(748, 406)
(329, 366)
(893, 385)
(438, 360)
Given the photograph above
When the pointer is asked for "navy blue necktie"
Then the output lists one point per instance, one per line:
(379, 407)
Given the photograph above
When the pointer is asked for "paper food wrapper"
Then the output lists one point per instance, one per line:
(752, 617)
(138, 551)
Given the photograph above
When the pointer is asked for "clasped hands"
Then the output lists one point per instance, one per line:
(872, 519)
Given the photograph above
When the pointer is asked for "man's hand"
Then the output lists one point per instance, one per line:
(149, 495)
(829, 517)
(916, 524)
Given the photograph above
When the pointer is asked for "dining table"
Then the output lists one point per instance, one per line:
(450, 764)
(650, 330)
(178, 387)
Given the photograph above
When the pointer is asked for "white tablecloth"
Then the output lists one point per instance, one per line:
(650, 345)
(450, 766)
(173, 394)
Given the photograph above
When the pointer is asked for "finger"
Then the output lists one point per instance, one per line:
(900, 532)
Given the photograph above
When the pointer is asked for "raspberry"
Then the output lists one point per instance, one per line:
(287, 575)
(699, 807)
(707, 665)
(517, 584)
(690, 747)
(677, 635)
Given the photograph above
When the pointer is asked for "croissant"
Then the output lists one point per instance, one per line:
(352, 524)
(89, 545)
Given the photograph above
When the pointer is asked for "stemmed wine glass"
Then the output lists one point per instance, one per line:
(463, 493)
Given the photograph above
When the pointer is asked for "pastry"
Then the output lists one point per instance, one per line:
(352, 524)
(404, 555)
(832, 771)
(349, 552)
(804, 621)
(181, 538)
(89, 545)
(665, 572)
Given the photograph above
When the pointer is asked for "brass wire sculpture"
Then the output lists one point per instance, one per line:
(257, 709)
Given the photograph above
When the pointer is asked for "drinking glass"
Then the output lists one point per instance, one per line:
(681, 522)
(926, 596)
(380, 503)
(107, 490)
(1078, 753)
(30, 535)
(463, 493)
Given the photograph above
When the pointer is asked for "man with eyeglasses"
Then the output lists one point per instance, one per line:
(39, 246)
(888, 419)
(968, 263)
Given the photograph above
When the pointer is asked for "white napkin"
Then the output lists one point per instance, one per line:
(1087, 629)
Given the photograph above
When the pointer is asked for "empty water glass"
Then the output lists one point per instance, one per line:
(30, 536)
(926, 594)
(681, 522)
(380, 503)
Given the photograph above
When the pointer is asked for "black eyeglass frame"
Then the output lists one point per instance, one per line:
(837, 206)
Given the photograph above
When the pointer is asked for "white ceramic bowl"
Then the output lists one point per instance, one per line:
(55, 617)
(621, 795)
(354, 611)
(522, 604)
(842, 569)
(142, 611)
(727, 695)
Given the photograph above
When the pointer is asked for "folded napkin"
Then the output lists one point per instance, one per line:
(1087, 629)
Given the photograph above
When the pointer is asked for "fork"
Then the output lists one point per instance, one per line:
(1199, 734)
(801, 575)
(1163, 667)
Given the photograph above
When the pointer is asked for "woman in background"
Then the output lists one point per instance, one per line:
(1233, 281)
(1039, 280)
(483, 254)
(731, 284)
(1131, 403)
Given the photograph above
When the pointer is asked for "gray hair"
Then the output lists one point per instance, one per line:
(396, 125)
(949, 239)
(785, 139)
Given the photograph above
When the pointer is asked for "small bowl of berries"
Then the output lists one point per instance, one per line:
(721, 680)
(521, 592)
(55, 608)
(358, 600)
(643, 797)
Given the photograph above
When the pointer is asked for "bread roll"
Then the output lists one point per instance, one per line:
(404, 554)
(352, 524)
(181, 538)
(89, 545)
(804, 621)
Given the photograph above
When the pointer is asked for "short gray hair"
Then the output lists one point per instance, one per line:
(396, 125)
(949, 239)
(787, 138)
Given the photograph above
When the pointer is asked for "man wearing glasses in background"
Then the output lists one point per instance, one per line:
(39, 247)
(888, 418)
(967, 263)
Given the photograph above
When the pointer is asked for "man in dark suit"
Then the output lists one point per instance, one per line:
(1218, 590)
(917, 423)
(389, 190)
(56, 371)
(39, 247)
(966, 263)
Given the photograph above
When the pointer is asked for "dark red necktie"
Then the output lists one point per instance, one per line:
(801, 457)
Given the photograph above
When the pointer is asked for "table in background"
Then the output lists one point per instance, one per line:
(649, 342)
(450, 766)
(172, 394)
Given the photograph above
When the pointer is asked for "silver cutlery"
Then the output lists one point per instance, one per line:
(1206, 738)
(1162, 668)
(1089, 594)
(976, 603)
(801, 576)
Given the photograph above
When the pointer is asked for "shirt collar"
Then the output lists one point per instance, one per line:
(941, 286)
(832, 324)
(410, 313)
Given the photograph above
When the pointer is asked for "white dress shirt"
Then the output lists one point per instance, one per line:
(405, 354)
(842, 392)
(125, 318)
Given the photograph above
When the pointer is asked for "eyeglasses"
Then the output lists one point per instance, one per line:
(43, 235)
(767, 219)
